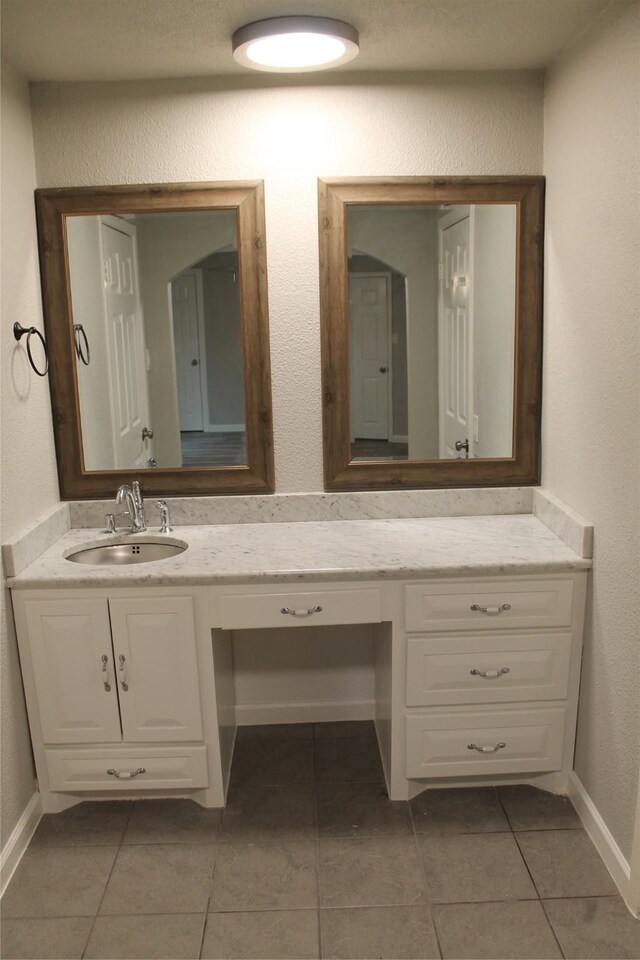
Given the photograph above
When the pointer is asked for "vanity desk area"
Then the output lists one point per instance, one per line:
(476, 626)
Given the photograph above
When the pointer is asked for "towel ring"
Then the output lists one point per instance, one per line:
(19, 332)
(82, 350)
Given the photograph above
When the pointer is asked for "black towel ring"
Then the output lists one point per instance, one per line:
(82, 350)
(19, 332)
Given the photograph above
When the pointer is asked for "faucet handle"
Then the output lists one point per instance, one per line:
(165, 519)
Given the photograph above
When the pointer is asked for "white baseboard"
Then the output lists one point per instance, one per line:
(399, 438)
(258, 713)
(612, 856)
(18, 842)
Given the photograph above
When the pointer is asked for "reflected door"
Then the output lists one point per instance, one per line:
(186, 335)
(370, 321)
(127, 365)
(455, 337)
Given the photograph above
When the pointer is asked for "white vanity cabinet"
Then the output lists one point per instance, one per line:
(114, 690)
(492, 675)
(110, 670)
(132, 691)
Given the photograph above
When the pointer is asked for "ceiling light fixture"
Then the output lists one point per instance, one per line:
(295, 44)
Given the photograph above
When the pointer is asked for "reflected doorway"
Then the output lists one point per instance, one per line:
(208, 359)
(378, 359)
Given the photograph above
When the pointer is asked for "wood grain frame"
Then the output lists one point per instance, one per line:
(247, 199)
(523, 468)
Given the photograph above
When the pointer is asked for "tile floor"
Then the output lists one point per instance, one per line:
(310, 859)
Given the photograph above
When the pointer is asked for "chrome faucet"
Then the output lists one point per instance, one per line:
(132, 497)
(165, 519)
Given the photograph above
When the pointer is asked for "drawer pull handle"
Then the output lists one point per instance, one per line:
(121, 668)
(125, 774)
(489, 674)
(490, 611)
(105, 680)
(499, 746)
(300, 613)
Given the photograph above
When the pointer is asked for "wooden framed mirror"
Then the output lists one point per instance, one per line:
(431, 331)
(156, 318)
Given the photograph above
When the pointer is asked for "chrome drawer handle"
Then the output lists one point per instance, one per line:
(498, 746)
(105, 680)
(125, 774)
(301, 613)
(489, 674)
(491, 611)
(121, 668)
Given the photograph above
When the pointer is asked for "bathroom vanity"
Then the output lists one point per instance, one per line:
(476, 625)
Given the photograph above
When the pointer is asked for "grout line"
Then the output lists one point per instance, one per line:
(552, 928)
(317, 845)
(524, 860)
(204, 929)
(504, 809)
(423, 872)
(122, 836)
(359, 906)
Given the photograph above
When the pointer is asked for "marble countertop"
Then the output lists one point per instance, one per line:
(316, 551)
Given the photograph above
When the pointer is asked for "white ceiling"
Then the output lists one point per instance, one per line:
(144, 39)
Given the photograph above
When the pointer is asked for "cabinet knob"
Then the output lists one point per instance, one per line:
(125, 774)
(498, 746)
(122, 669)
(489, 674)
(491, 611)
(308, 612)
(105, 678)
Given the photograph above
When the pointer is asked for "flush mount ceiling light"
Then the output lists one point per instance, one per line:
(295, 44)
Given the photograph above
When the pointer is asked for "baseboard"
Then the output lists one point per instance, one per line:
(399, 438)
(18, 842)
(262, 713)
(612, 856)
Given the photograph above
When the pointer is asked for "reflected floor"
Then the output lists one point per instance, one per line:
(203, 449)
(378, 450)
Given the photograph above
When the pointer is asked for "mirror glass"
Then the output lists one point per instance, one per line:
(432, 319)
(156, 318)
(156, 314)
(431, 331)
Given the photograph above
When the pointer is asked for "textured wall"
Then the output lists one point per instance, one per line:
(591, 449)
(289, 136)
(29, 485)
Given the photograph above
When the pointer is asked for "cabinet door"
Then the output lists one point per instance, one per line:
(73, 670)
(156, 664)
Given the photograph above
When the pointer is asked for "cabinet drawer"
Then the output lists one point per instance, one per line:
(76, 770)
(439, 742)
(487, 606)
(318, 607)
(487, 669)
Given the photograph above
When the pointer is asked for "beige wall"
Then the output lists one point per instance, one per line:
(289, 136)
(29, 484)
(591, 449)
